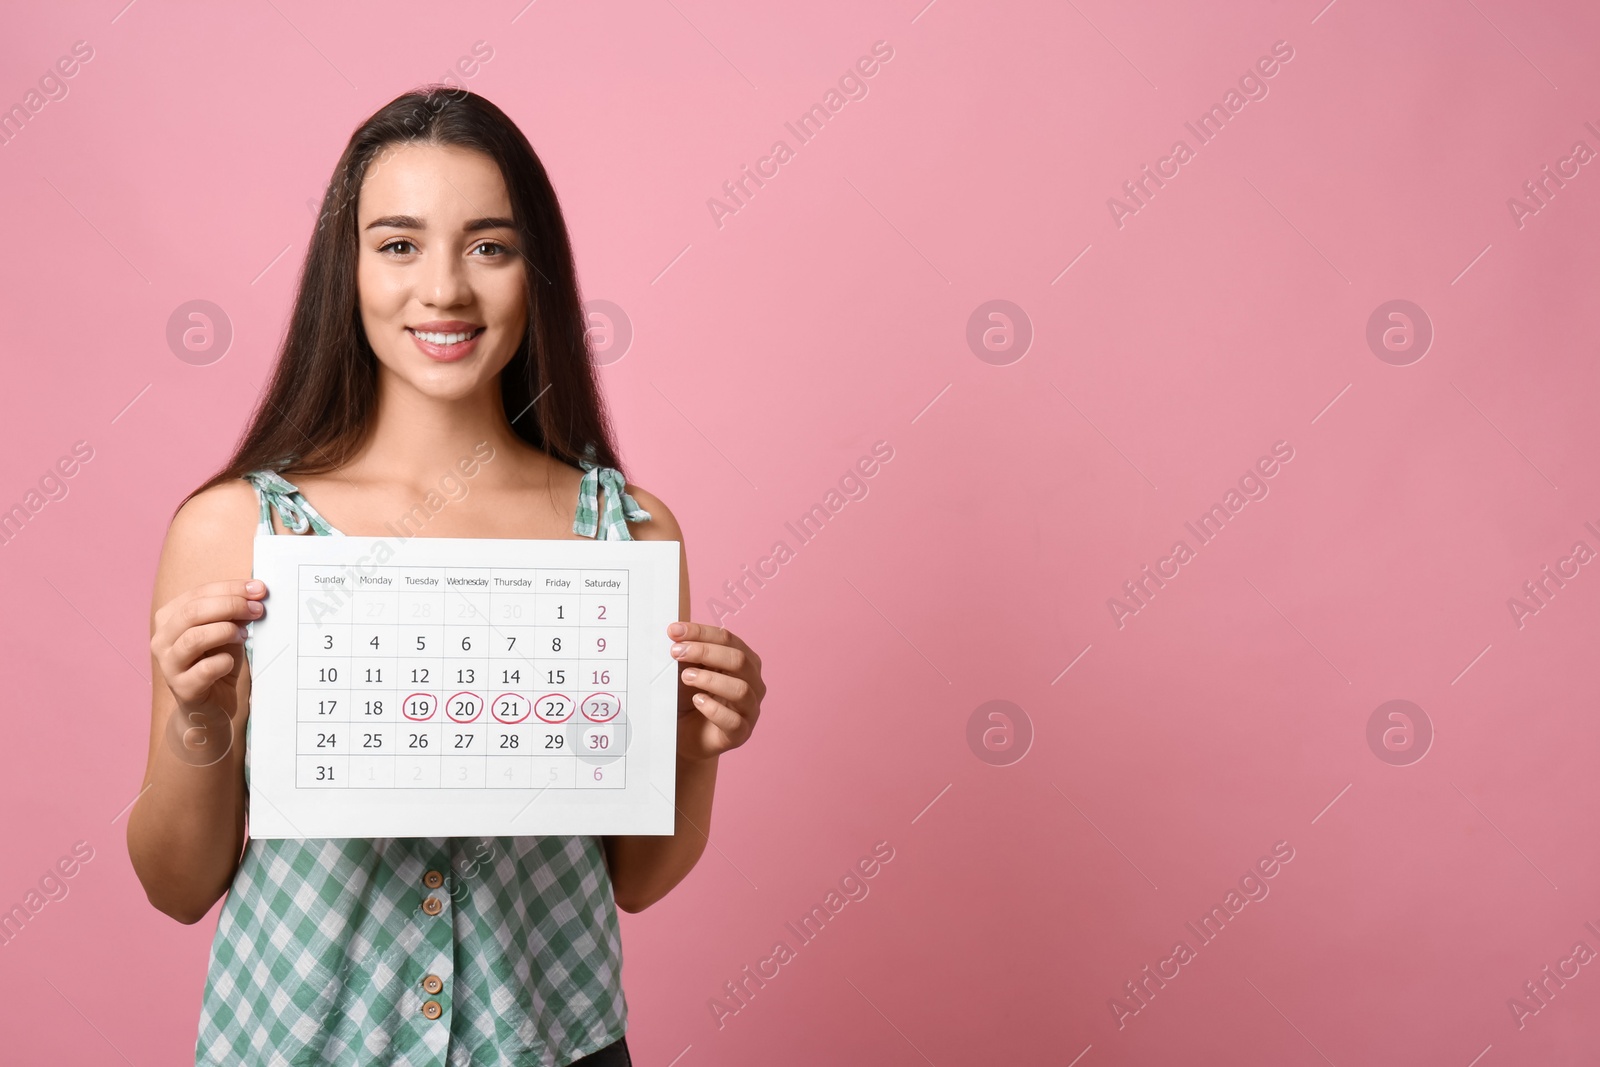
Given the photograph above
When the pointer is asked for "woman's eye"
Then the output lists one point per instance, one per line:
(392, 244)
(501, 249)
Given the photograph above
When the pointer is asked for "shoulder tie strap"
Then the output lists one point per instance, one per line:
(589, 522)
(295, 510)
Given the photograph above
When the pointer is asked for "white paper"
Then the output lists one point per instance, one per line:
(462, 687)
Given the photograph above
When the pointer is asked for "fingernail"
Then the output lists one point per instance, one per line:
(253, 586)
(244, 632)
(256, 607)
(677, 650)
(690, 675)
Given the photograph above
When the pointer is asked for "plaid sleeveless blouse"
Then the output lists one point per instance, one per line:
(446, 952)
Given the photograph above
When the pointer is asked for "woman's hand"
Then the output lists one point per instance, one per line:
(198, 642)
(723, 713)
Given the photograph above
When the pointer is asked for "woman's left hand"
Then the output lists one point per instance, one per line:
(724, 689)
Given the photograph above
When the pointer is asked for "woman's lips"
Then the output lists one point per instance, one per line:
(447, 353)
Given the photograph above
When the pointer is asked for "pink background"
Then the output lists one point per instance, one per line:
(831, 312)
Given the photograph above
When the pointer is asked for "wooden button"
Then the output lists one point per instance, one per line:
(432, 906)
(432, 984)
(431, 1009)
(433, 879)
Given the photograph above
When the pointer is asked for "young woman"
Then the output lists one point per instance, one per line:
(437, 320)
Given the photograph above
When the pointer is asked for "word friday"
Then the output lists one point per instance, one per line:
(1252, 486)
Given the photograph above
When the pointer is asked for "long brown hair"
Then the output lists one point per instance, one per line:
(317, 409)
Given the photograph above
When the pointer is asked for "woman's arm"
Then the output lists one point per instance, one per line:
(186, 830)
(716, 712)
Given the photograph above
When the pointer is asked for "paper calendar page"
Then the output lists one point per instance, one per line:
(456, 687)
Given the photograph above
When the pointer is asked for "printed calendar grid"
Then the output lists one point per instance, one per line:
(462, 678)
(507, 732)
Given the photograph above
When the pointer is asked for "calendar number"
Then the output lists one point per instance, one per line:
(464, 707)
(411, 679)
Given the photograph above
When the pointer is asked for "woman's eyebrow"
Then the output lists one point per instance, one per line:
(412, 222)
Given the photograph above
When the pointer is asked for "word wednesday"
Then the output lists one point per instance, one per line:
(1253, 86)
(1252, 887)
(1210, 524)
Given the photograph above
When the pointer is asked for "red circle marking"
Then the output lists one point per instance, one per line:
(495, 704)
(404, 704)
(571, 705)
(475, 714)
(608, 718)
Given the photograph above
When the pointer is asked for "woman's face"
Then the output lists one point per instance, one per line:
(440, 276)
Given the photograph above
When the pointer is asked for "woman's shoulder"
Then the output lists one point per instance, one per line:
(210, 538)
(231, 503)
(662, 524)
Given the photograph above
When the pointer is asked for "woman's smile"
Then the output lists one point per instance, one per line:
(446, 342)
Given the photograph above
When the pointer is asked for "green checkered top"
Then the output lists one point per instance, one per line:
(323, 946)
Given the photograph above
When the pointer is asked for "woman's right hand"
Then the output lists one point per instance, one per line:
(198, 643)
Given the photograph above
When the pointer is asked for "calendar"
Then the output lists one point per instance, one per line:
(454, 687)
